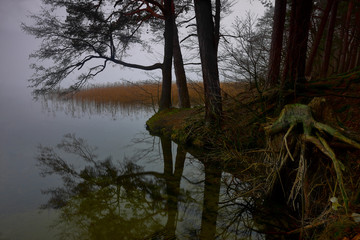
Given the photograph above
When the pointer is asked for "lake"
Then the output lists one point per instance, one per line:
(82, 171)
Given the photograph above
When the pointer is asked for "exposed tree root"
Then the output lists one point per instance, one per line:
(295, 114)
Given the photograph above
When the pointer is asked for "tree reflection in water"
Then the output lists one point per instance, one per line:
(106, 199)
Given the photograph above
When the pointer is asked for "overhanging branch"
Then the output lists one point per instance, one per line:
(137, 66)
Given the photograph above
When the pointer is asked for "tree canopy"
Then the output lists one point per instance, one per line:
(98, 30)
(306, 43)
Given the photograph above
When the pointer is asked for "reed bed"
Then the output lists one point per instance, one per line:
(148, 93)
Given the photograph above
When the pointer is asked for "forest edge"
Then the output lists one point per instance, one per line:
(248, 133)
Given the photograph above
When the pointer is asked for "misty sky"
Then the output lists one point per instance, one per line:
(15, 46)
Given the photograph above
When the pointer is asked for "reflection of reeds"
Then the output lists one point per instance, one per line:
(128, 99)
(147, 93)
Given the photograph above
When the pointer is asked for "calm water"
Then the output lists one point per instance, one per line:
(75, 171)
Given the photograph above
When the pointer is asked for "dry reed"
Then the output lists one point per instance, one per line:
(148, 93)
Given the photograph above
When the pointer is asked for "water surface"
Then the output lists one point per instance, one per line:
(24, 125)
(71, 170)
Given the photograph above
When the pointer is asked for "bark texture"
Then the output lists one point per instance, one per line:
(208, 54)
(345, 39)
(329, 40)
(294, 72)
(318, 37)
(165, 99)
(276, 43)
(180, 74)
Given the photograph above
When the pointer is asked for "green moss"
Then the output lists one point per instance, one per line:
(170, 123)
(179, 136)
(198, 143)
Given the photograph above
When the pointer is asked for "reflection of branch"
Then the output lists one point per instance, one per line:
(74, 145)
(195, 183)
(164, 232)
(133, 175)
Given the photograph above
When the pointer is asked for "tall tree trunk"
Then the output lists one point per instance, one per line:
(276, 43)
(356, 40)
(318, 37)
(298, 38)
(357, 36)
(217, 23)
(181, 83)
(209, 61)
(290, 42)
(345, 46)
(351, 42)
(329, 39)
(165, 99)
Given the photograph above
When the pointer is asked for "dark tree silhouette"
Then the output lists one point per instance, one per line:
(294, 70)
(157, 23)
(208, 43)
(87, 37)
(93, 32)
(276, 43)
(318, 37)
(329, 39)
(105, 199)
(180, 74)
(165, 99)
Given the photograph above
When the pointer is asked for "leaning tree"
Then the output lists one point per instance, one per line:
(157, 14)
(91, 35)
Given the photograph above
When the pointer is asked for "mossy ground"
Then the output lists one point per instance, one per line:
(177, 124)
